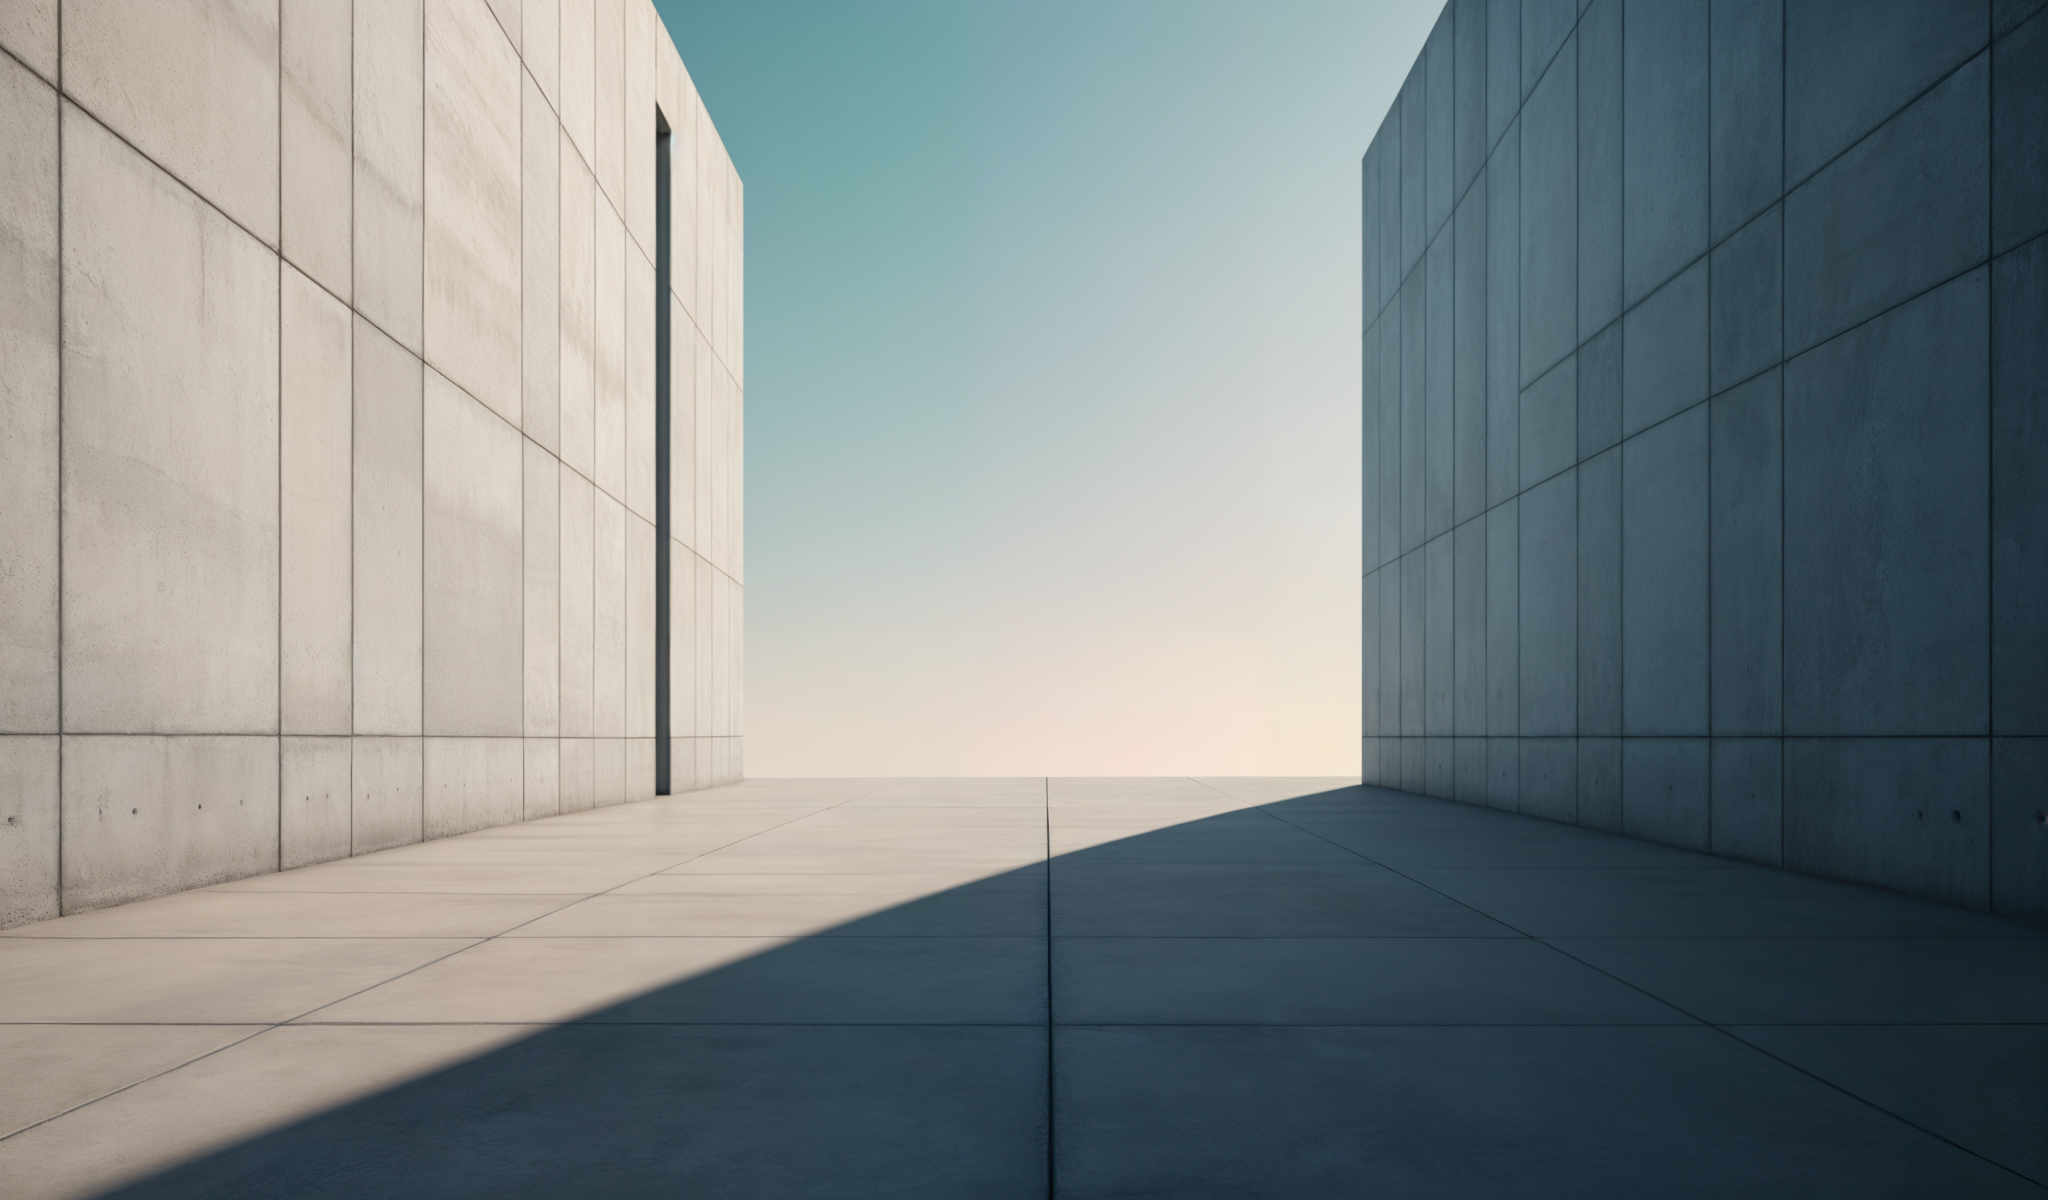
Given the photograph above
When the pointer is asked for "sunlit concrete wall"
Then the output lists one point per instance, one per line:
(327, 430)
(1706, 430)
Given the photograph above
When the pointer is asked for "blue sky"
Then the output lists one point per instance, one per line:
(1052, 395)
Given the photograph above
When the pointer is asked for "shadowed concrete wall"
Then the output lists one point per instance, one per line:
(327, 430)
(1706, 430)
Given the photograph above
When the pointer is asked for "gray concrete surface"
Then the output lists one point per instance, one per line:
(1787, 254)
(343, 431)
(1081, 987)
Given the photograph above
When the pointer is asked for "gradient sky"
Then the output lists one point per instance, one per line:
(1052, 377)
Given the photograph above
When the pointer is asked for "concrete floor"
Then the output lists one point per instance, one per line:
(845, 988)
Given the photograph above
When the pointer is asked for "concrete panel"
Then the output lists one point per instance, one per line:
(608, 156)
(1664, 790)
(682, 764)
(316, 417)
(608, 586)
(643, 34)
(1414, 172)
(1414, 609)
(170, 509)
(390, 170)
(1469, 627)
(316, 129)
(1439, 665)
(579, 614)
(1906, 208)
(474, 579)
(1439, 177)
(28, 829)
(214, 129)
(1468, 74)
(1414, 763)
(1746, 517)
(1549, 602)
(1389, 641)
(1664, 578)
(473, 783)
(1439, 413)
(1886, 571)
(1664, 147)
(28, 30)
(1369, 656)
(1414, 419)
(540, 291)
(1600, 176)
(639, 651)
(1503, 772)
(1372, 298)
(639, 769)
(1468, 384)
(579, 774)
(1503, 655)
(148, 815)
(682, 650)
(387, 519)
(578, 315)
(1389, 245)
(540, 46)
(1746, 83)
(2006, 14)
(1849, 64)
(472, 256)
(507, 14)
(1600, 783)
(1599, 600)
(1438, 766)
(1503, 66)
(707, 668)
(2019, 116)
(28, 386)
(1748, 781)
(682, 428)
(1549, 423)
(1468, 785)
(1906, 813)
(1549, 224)
(1745, 309)
(542, 791)
(1545, 26)
(1368, 445)
(578, 56)
(541, 531)
(609, 406)
(611, 771)
(639, 367)
(1392, 447)
(1600, 391)
(1503, 324)
(1664, 352)
(1550, 785)
(2019, 828)
(387, 781)
(2019, 491)
(314, 800)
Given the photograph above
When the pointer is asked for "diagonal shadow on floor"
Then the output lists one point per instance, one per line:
(1250, 988)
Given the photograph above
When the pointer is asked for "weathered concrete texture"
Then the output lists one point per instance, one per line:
(170, 452)
(1755, 288)
(352, 472)
(28, 387)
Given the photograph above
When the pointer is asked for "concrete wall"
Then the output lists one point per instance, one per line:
(1706, 430)
(327, 430)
